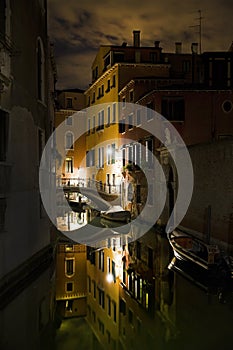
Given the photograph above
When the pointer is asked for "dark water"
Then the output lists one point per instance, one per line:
(177, 314)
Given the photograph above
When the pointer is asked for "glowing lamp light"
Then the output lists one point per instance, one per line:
(109, 278)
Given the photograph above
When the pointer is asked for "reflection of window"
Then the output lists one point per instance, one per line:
(69, 286)
(69, 266)
(69, 140)
(173, 108)
(4, 120)
(69, 165)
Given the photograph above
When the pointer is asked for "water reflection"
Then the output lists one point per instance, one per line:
(117, 295)
(133, 300)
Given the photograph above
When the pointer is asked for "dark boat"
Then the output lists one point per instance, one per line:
(200, 262)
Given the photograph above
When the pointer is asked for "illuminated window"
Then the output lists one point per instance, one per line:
(69, 248)
(69, 267)
(69, 140)
(69, 165)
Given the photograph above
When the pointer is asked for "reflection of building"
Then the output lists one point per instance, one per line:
(71, 279)
(68, 103)
(27, 76)
(103, 269)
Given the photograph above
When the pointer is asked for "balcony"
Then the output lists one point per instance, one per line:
(5, 177)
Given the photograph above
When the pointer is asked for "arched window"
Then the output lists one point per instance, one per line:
(69, 140)
(40, 70)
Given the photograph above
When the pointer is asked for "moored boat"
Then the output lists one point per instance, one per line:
(116, 213)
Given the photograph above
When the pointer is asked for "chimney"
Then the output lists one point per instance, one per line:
(194, 48)
(156, 43)
(178, 47)
(136, 38)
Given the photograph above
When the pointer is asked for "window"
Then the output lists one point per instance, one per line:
(227, 106)
(88, 126)
(123, 102)
(101, 157)
(114, 311)
(108, 115)
(93, 123)
(111, 154)
(122, 126)
(113, 81)
(149, 152)
(69, 120)
(108, 86)
(123, 306)
(4, 128)
(93, 98)
(93, 316)
(69, 287)
(114, 113)
(100, 120)
(131, 96)
(107, 61)
(149, 111)
(138, 114)
(108, 337)
(40, 70)
(150, 194)
(101, 260)
(109, 305)
(69, 140)
(153, 57)
(89, 284)
(69, 102)
(101, 298)
(150, 258)
(130, 121)
(69, 267)
(2, 213)
(69, 165)
(138, 250)
(114, 271)
(101, 326)
(130, 316)
(108, 265)
(173, 108)
(90, 158)
(94, 289)
(186, 66)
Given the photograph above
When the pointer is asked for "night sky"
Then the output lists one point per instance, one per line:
(78, 28)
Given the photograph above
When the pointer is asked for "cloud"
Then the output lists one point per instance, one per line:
(79, 29)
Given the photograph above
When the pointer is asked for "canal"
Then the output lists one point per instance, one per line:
(117, 296)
